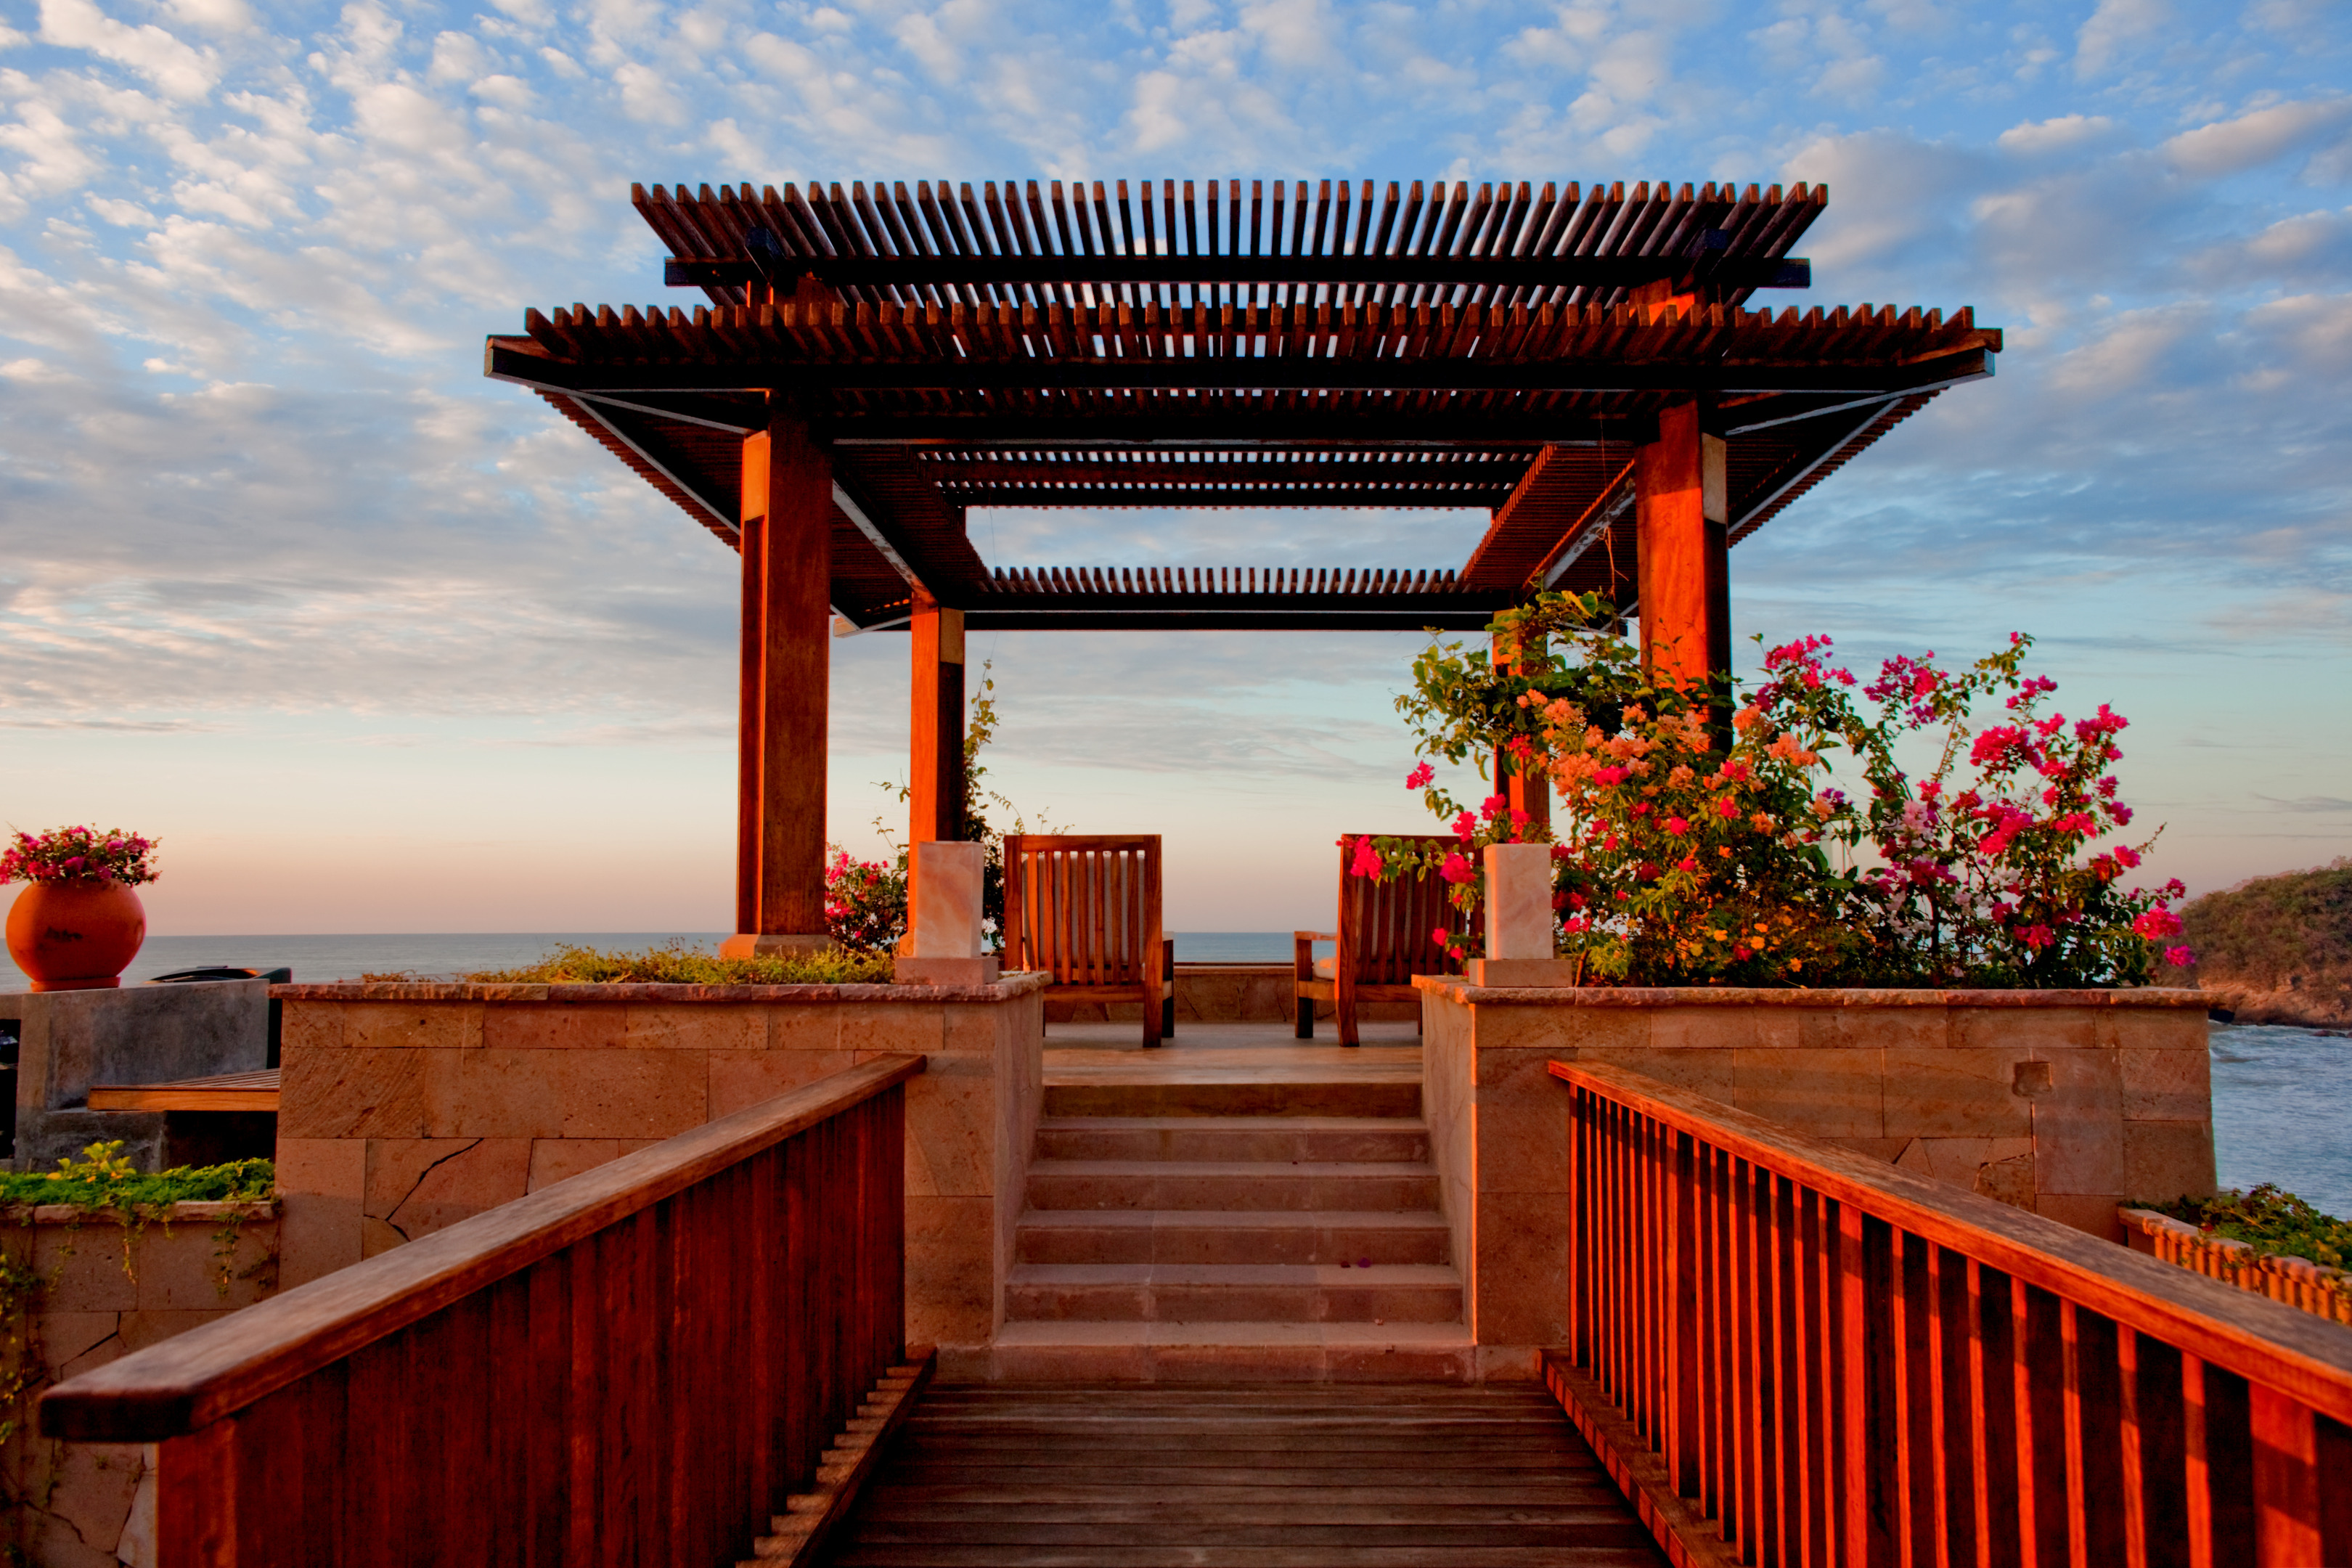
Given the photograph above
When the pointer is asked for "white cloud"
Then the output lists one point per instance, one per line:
(175, 69)
(2113, 29)
(2231, 146)
(2314, 328)
(2057, 135)
(122, 215)
(213, 16)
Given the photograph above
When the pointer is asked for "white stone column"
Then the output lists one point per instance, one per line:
(1519, 920)
(943, 932)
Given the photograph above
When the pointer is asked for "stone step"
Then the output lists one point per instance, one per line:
(1226, 1236)
(1234, 1292)
(1076, 1094)
(1273, 1137)
(1251, 1185)
(1247, 1352)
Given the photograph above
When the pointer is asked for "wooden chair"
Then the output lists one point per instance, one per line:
(1085, 907)
(1385, 938)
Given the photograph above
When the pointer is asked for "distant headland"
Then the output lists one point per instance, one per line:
(2278, 950)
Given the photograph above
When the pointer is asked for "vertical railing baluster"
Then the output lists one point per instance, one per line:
(1914, 1423)
(1681, 1328)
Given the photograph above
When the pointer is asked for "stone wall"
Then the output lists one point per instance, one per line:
(102, 1291)
(407, 1108)
(132, 1034)
(2063, 1103)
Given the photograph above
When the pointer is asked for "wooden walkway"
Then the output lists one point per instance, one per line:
(1271, 1476)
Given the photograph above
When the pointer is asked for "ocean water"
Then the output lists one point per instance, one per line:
(2281, 1096)
(448, 953)
(2282, 1111)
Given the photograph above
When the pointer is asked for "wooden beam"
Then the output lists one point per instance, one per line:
(787, 523)
(521, 360)
(1110, 619)
(935, 804)
(854, 271)
(1401, 497)
(1680, 509)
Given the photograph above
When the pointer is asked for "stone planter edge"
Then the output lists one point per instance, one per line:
(1455, 988)
(1010, 987)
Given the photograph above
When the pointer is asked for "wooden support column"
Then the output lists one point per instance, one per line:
(1531, 792)
(1682, 513)
(935, 804)
(787, 522)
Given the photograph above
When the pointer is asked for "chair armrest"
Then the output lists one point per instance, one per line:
(1302, 966)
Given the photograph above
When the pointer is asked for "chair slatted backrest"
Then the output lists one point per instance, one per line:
(1386, 928)
(1084, 908)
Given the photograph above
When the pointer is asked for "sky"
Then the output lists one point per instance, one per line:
(370, 643)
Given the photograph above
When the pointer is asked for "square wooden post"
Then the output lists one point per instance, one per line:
(935, 804)
(1682, 513)
(787, 522)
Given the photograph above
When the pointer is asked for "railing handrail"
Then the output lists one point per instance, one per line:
(2269, 1342)
(195, 1379)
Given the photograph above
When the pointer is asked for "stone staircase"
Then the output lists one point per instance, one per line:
(1209, 1230)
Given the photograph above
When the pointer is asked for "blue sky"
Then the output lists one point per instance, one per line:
(373, 644)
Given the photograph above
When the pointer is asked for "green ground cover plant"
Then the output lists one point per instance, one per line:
(675, 964)
(101, 1184)
(103, 1180)
(2273, 1222)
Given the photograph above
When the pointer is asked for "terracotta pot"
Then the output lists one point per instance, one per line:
(76, 936)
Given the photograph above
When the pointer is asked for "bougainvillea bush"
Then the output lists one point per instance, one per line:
(68, 854)
(866, 901)
(1701, 835)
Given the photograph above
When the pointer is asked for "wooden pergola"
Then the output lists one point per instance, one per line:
(873, 363)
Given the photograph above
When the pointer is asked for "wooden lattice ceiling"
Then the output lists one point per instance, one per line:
(1278, 344)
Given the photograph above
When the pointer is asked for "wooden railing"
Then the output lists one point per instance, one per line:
(1791, 1354)
(2294, 1280)
(636, 1365)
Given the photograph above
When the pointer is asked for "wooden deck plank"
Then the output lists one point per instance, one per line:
(1246, 1477)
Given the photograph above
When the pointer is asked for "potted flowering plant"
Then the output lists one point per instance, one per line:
(1701, 840)
(78, 925)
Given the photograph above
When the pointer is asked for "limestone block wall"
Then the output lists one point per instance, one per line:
(404, 1108)
(2064, 1103)
(92, 1289)
(131, 1033)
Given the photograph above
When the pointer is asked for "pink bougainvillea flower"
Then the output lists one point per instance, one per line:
(1456, 869)
(1675, 824)
(1418, 778)
(1438, 936)
(2178, 957)
(1727, 808)
(1493, 807)
(1367, 862)
(2157, 922)
(1687, 863)
(1465, 827)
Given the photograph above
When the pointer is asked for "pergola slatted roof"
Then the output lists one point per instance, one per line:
(1273, 344)
(1505, 244)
